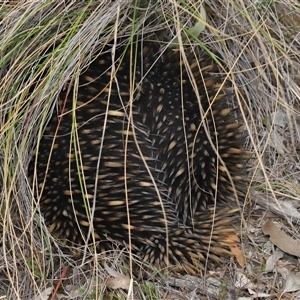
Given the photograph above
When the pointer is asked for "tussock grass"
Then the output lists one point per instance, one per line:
(45, 45)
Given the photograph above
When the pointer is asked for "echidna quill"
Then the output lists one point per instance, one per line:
(143, 152)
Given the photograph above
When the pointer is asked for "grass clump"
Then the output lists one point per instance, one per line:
(45, 45)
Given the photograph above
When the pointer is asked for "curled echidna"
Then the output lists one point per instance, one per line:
(140, 154)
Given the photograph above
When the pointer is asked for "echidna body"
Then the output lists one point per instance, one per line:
(131, 155)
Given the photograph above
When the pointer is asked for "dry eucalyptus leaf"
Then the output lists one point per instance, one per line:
(242, 281)
(236, 251)
(281, 239)
(272, 260)
(44, 295)
(113, 272)
(292, 280)
(284, 207)
(119, 283)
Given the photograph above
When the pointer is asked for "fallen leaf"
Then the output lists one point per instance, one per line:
(44, 295)
(235, 250)
(113, 272)
(292, 280)
(242, 281)
(272, 260)
(119, 281)
(281, 239)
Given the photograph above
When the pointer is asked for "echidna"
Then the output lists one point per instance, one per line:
(140, 153)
